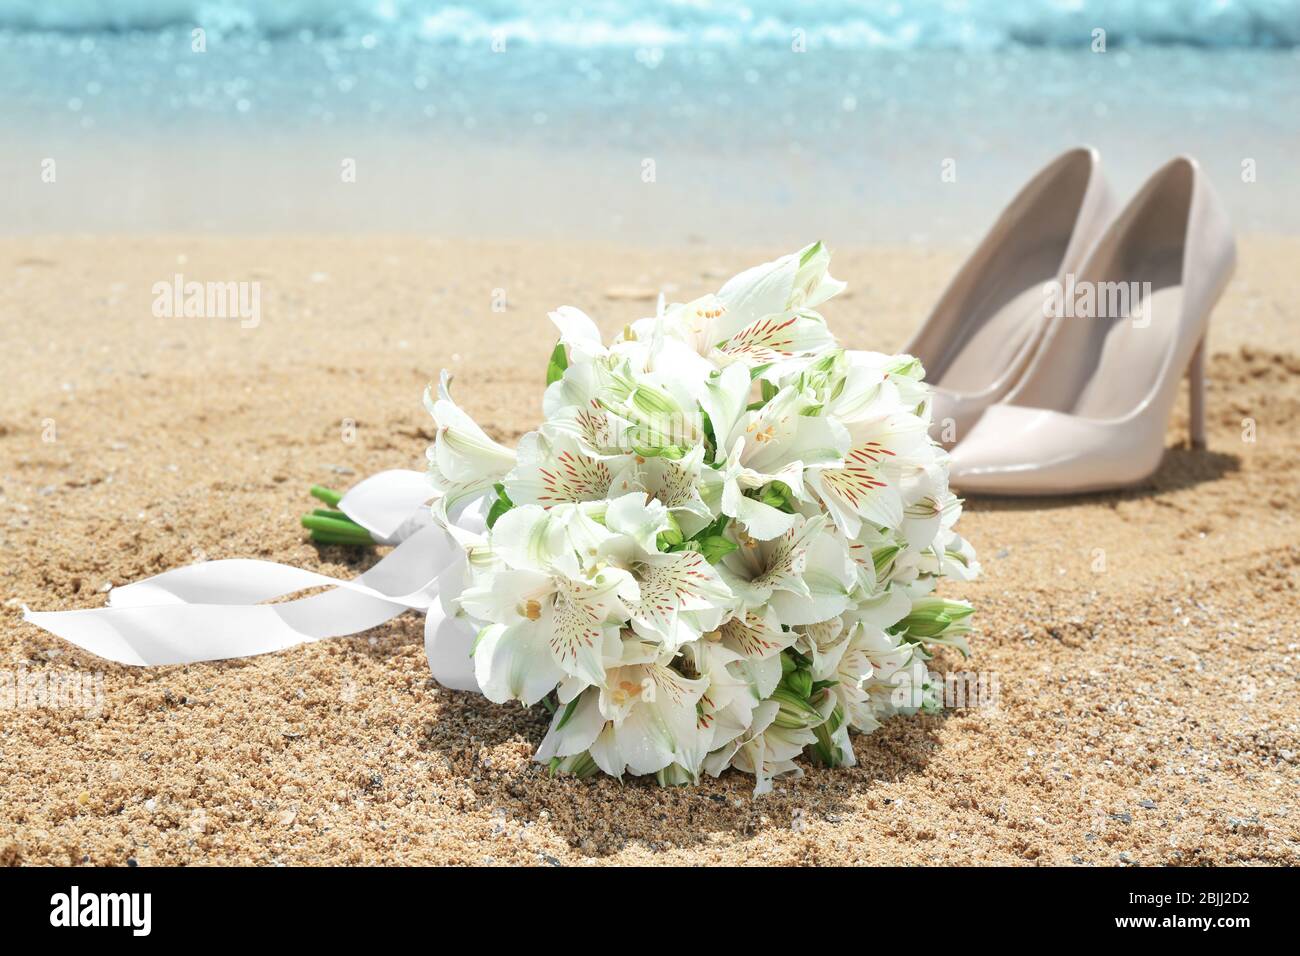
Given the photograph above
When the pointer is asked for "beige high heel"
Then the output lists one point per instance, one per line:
(989, 321)
(1091, 410)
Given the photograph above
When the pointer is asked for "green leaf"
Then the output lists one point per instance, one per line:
(558, 363)
(500, 506)
(710, 439)
(568, 712)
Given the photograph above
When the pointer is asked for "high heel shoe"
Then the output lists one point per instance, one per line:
(1090, 412)
(989, 321)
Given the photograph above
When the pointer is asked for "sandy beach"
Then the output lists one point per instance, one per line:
(1145, 643)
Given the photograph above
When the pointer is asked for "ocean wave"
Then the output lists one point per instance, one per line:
(917, 24)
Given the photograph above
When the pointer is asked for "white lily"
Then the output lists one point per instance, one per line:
(764, 750)
(795, 282)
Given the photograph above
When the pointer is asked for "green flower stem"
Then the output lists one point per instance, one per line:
(327, 495)
(335, 515)
(346, 531)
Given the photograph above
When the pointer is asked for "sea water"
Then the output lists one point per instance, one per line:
(674, 121)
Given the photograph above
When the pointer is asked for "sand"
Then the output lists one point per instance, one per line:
(1145, 643)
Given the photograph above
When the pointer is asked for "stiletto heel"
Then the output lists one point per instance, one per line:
(1092, 409)
(1196, 396)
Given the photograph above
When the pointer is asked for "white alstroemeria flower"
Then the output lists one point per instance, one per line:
(929, 508)
(726, 708)
(951, 557)
(792, 283)
(550, 613)
(846, 659)
(652, 414)
(757, 637)
(681, 597)
(675, 483)
(650, 719)
(890, 681)
(865, 484)
(773, 443)
(724, 491)
(764, 750)
(579, 721)
(640, 519)
(555, 469)
(875, 385)
(463, 460)
(777, 339)
(783, 432)
(578, 333)
(874, 552)
(805, 575)
(707, 329)
(725, 399)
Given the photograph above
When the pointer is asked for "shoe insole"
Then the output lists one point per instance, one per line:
(1124, 352)
(992, 337)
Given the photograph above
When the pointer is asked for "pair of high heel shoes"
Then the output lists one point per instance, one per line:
(1057, 350)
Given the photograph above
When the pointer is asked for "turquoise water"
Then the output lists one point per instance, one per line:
(759, 120)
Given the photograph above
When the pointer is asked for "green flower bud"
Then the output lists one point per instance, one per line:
(777, 494)
(933, 617)
(715, 548)
(794, 713)
(672, 537)
(800, 681)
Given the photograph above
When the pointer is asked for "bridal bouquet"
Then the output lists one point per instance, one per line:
(720, 547)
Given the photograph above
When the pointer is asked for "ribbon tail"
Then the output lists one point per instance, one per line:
(211, 611)
(390, 505)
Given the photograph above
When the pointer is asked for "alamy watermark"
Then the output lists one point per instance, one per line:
(178, 298)
(24, 689)
(1074, 299)
(917, 687)
(74, 908)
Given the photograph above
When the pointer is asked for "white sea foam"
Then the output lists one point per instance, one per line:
(918, 24)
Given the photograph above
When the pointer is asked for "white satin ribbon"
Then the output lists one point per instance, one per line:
(215, 610)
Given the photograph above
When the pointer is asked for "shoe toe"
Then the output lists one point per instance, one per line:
(1024, 451)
